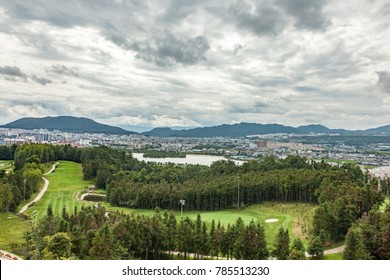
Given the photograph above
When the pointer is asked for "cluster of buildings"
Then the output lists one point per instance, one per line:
(237, 148)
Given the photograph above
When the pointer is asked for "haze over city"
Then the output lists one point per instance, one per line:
(197, 63)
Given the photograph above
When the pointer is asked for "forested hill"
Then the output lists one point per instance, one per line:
(67, 124)
(236, 130)
(245, 129)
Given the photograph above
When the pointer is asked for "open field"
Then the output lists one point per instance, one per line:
(11, 230)
(63, 184)
(294, 216)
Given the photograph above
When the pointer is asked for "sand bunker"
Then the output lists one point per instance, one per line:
(271, 220)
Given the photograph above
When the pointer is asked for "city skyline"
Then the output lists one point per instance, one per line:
(187, 64)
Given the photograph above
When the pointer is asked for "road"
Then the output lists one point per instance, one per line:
(42, 192)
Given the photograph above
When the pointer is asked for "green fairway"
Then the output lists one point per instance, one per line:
(64, 183)
(11, 230)
(294, 216)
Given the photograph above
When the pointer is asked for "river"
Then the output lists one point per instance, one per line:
(189, 159)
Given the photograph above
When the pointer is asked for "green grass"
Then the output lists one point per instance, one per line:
(385, 203)
(64, 183)
(6, 165)
(337, 256)
(11, 230)
(294, 216)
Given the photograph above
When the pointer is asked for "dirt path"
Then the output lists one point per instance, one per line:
(42, 192)
(335, 250)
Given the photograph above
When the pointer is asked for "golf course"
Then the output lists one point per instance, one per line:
(67, 181)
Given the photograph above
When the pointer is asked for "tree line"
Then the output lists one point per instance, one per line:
(94, 233)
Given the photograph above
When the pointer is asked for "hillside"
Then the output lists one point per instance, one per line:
(67, 124)
(235, 130)
(245, 129)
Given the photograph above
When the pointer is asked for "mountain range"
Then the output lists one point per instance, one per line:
(67, 124)
(84, 125)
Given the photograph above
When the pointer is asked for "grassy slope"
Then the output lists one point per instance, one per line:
(63, 184)
(11, 230)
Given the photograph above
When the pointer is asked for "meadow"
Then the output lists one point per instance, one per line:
(11, 230)
(64, 183)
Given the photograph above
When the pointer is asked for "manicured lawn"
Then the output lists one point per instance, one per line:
(294, 216)
(11, 230)
(64, 183)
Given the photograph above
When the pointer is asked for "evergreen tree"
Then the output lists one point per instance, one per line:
(282, 244)
(297, 251)
(354, 246)
(57, 246)
(262, 250)
(316, 248)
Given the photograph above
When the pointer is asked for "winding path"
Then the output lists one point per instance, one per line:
(335, 250)
(42, 192)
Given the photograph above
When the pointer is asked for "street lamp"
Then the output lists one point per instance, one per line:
(182, 202)
(238, 192)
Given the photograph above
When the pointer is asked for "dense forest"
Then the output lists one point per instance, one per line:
(347, 198)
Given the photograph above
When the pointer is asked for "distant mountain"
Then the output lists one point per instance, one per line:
(160, 132)
(313, 128)
(381, 129)
(245, 129)
(236, 130)
(67, 124)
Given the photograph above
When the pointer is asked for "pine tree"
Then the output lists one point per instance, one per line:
(316, 248)
(297, 251)
(262, 250)
(354, 246)
(282, 244)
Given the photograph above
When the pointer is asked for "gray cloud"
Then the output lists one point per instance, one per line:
(307, 13)
(384, 80)
(63, 70)
(12, 71)
(237, 48)
(41, 80)
(167, 51)
(260, 17)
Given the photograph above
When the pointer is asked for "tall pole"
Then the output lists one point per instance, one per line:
(238, 192)
(182, 202)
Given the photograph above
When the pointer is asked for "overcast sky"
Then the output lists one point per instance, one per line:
(197, 63)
